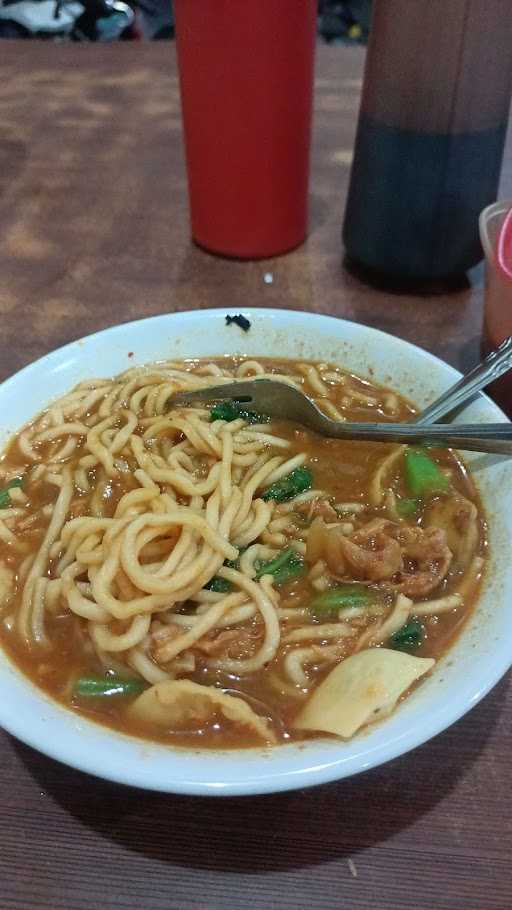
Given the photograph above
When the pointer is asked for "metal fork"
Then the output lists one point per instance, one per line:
(277, 399)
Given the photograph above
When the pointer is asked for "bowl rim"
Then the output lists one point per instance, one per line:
(258, 779)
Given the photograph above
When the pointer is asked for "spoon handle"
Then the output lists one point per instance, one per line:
(492, 367)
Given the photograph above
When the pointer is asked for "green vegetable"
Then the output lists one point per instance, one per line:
(233, 410)
(341, 597)
(5, 499)
(222, 585)
(218, 585)
(107, 686)
(298, 481)
(422, 474)
(409, 636)
(406, 508)
(287, 565)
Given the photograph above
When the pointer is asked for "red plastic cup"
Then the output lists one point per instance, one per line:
(246, 75)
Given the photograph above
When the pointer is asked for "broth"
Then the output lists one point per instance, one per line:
(55, 646)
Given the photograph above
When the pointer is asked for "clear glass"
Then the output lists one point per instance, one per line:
(498, 296)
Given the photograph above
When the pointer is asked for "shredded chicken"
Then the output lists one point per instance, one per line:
(323, 543)
(209, 645)
(426, 557)
(237, 644)
(412, 561)
(458, 517)
(324, 509)
(160, 635)
(371, 552)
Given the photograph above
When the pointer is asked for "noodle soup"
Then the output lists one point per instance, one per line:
(203, 576)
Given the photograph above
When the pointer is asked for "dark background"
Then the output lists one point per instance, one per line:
(339, 21)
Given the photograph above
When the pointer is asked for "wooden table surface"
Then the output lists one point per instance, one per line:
(94, 231)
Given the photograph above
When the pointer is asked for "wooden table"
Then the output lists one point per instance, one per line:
(93, 231)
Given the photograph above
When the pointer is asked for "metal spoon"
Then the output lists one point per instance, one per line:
(277, 399)
(492, 367)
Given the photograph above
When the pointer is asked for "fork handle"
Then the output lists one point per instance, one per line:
(486, 437)
(492, 367)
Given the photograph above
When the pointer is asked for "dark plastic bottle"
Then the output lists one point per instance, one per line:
(430, 136)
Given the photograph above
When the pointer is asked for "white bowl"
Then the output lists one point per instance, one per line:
(479, 658)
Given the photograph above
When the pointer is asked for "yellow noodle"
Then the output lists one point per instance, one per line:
(39, 564)
(441, 605)
(182, 482)
(11, 513)
(308, 496)
(254, 524)
(100, 452)
(252, 439)
(322, 631)
(225, 471)
(130, 548)
(378, 634)
(7, 584)
(122, 436)
(26, 448)
(298, 658)
(252, 554)
(277, 540)
(234, 617)
(312, 377)
(38, 609)
(290, 465)
(17, 495)
(110, 641)
(293, 614)
(471, 576)
(145, 666)
(250, 368)
(83, 606)
(376, 484)
(53, 595)
(285, 688)
(7, 535)
(354, 507)
(62, 429)
(333, 377)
